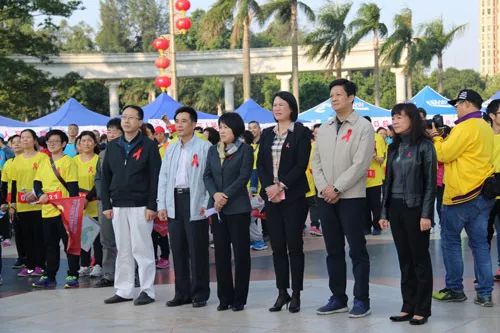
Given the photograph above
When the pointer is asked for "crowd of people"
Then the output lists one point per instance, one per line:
(249, 187)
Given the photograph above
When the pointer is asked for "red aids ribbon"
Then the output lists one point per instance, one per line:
(137, 154)
(195, 162)
(347, 137)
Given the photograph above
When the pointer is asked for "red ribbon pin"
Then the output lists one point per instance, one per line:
(195, 162)
(347, 137)
(137, 154)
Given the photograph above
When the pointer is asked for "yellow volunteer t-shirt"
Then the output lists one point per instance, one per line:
(24, 172)
(309, 174)
(163, 148)
(496, 155)
(86, 177)
(7, 178)
(375, 176)
(52, 186)
(255, 147)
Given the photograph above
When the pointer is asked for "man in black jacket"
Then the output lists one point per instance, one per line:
(130, 181)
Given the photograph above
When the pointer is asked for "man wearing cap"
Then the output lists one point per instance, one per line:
(467, 154)
(162, 140)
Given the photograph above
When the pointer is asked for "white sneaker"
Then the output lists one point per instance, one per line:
(96, 271)
(84, 271)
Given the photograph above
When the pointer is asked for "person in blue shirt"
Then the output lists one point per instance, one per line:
(70, 149)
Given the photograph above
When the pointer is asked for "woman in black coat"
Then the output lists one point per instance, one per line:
(408, 208)
(281, 165)
(229, 165)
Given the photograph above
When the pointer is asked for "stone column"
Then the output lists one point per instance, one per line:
(285, 81)
(114, 102)
(400, 84)
(229, 93)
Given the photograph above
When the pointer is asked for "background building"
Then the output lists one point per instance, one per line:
(489, 11)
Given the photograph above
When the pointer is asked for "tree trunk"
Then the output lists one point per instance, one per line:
(295, 52)
(246, 59)
(409, 85)
(440, 73)
(376, 68)
(338, 69)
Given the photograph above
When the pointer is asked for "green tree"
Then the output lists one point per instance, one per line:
(113, 34)
(313, 89)
(24, 90)
(147, 19)
(240, 13)
(368, 22)
(492, 85)
(210, 97)
(330, 40)
(455, 80)
(437, 39)
(75, 39)
(403, 40)
(286, 11)
(135, 91)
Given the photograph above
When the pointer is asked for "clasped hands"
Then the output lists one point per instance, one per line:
(220, 200)
(330, 196)
(273, 193)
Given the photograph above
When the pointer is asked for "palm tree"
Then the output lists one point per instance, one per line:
(241, 14)
(368, 21)
(286, 11)
(403, 40)
(330, 41)
(437, 40)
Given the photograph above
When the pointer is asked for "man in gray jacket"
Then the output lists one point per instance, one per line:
(344, 150)
(183, 199)
(107, 234)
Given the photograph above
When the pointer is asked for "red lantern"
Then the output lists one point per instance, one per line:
(182, 5)
(162, 62)
(162, 82)
(183, 24)
(161, 44)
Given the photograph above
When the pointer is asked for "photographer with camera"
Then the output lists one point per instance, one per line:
(467, 154)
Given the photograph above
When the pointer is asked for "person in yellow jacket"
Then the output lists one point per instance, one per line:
(493, 112)
(86, 162)
(24, 169)
(312, 195)
(374, 180)
(467, 154)
(47, 186)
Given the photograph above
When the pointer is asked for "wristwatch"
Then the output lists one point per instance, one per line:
(336, 190)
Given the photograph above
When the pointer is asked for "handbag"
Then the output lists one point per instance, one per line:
(491, 186)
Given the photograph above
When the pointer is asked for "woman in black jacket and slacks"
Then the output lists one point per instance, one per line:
(281, 165)
(408, 207)
(229, 165)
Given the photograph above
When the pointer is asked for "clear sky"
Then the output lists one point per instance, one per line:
(463, 53)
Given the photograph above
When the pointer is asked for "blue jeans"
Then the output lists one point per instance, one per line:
(473, 216)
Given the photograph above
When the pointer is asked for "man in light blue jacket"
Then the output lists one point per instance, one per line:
(183, 199)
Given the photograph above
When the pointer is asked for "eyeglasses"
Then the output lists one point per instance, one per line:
(126, 118)
(53, 142)
(458, 103)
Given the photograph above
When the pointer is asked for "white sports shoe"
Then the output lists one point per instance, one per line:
(96, 271)
(84, 271)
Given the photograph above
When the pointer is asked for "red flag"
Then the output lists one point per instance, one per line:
(72, 214)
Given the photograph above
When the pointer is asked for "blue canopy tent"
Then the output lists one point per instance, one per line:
(7, 122)
(433, 102)
(71, 112)
(488, 101)
(324, 111)
(251, 111)
(166, 105)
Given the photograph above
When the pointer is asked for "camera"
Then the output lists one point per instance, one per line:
(437, 120)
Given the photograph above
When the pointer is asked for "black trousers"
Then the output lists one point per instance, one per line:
(232, 229)
(285, 224)
(495, 212)
(32, 232)
(312, 205)
(374, 204)
(85, 257)
(412, 246)
(54, 232)
(346, 219)
(439, 199)
(189, 242)
(162, 242)
(21, 251)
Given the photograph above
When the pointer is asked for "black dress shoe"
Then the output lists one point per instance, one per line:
(178, 302)
(414, 321)
(239, 307)
(116, 299)
(283, 299)
(294, 305)
(406, 317)
(143, 299)
(103, 283)
(199, 304)
(223, 307)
